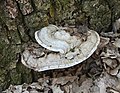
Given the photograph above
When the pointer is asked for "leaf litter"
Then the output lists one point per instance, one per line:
(98, 74)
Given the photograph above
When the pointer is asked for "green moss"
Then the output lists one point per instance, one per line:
(13, 32)
(36, 20)
(15, 77)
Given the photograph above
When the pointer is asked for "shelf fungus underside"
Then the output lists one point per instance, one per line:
(59, 47)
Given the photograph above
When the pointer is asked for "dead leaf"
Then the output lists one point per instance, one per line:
(117, 42)
(63, 80)
(56, 89)
(112, 63)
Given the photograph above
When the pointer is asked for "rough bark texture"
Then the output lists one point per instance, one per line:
(19, 19)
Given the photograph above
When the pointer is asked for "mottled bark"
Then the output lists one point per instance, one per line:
(19, 19)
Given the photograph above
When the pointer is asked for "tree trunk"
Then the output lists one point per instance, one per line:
(19, 19)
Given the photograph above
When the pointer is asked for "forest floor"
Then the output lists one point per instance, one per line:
(98, 74)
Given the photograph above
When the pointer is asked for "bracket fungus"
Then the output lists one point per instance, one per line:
(65, 45)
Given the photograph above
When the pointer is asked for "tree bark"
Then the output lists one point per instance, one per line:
(19, 19)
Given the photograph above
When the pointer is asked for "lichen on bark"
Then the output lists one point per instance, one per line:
(19, 20)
